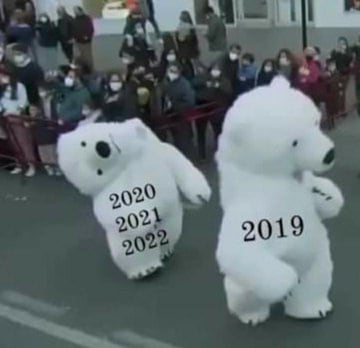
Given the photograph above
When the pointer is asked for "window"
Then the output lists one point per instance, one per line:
(225, 8)
(255, 9)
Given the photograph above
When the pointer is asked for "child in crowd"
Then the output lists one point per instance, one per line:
(267, 72)
(247, 73)
(287, 65)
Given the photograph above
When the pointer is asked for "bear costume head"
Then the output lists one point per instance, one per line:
(275, 130)
(94, 155)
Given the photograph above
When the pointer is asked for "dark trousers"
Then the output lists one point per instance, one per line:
(183, 137)
(201, 129)
(68, 49)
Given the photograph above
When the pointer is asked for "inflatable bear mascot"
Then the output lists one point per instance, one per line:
(273, 245)
(136, 183)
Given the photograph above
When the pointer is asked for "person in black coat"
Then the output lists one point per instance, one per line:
(66, 33)
(343, 56)
(48, 42)
(230, 66)
(28, 72)
(213, 87)
(117, 104)
(267, 72)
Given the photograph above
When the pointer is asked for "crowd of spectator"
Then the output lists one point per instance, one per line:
(155, 85)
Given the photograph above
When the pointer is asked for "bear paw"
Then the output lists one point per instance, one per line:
(318, 310)
(167, 256)
(197, 191)
(146, 273)
(256, 317)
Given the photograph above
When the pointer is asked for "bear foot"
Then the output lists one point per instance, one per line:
(254, 318)
(146, 273)
(167, 256)
(317, 310)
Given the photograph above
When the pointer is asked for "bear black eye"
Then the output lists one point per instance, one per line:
(295, 143)
(99, 172)
(83, 144)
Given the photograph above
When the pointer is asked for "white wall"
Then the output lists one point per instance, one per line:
(49, 6)
(331, 13)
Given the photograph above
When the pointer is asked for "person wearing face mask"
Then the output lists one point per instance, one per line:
(267, 73)
(229, 64)
(247, 74)
(216, 34)
(116, 105)
(66, 33)
(48, 43)
(309, 73)
(286, 65)
(212, 87)
(179, 98)
(83, 32)
(28, 72)
(134, 19)
(186, 38)
(343, 56)
(13, 103)
(74, 94)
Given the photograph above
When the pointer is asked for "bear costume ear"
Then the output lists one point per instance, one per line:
(140, 129)
(280, 82)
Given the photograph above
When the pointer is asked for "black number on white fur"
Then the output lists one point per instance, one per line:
(129, 247)
(122, 222)
(150, 191)
(150, 237)
(146, 221)
(249, 227)
(140, 244)
(265, 229)
(115, 198)
(163, 235)
(139, 194)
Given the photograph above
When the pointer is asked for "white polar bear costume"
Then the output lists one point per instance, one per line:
(135, 182)
(273, 246)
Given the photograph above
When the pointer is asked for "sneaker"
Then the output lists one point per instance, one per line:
(16, 170)
(49, 170)
(30, 172)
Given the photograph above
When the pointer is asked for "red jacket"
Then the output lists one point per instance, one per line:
(83, 29)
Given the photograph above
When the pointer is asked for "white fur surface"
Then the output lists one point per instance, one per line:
(137, 158)
(270, 146)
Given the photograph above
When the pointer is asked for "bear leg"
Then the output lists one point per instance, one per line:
(244, 304)
(309, 299)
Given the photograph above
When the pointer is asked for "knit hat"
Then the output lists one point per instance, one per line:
(21, 48)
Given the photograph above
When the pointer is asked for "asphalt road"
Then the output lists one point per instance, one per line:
(55, 266)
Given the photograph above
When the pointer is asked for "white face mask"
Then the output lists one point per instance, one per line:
(233, 56)
(43, 94)
(126, 61)
(86, 112)
(19, 59)
(140, 31)
(332, 68)
(215, 73)
(115, 86)
(69, 82)
(43, 20)
(284, 61)
(268, 69)
(171, 57)
(172, 76)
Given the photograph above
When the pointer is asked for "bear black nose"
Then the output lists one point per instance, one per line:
(330, 157)
(103, 149)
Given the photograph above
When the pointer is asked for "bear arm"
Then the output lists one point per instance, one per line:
(327, 197)
(189, 180)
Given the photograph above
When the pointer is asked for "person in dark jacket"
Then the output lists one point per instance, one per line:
(134, 19)
(19, 31)
(266, 73)
(230, 65)
(212, 87)
(116, 104)
(48, 43)
(83, 31)
(28, 72)
(179, 98)
(65, 32)
(247, 74)
(216, 34)
(186, 38)
(343, 56)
